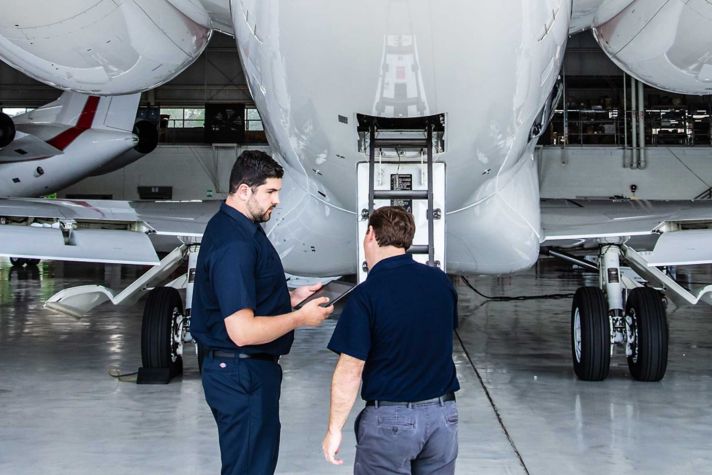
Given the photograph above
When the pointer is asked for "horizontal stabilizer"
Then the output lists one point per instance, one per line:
(678, 248)
(27, 147)
(87, 245)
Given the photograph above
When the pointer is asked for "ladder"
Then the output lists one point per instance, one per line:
(415, 182)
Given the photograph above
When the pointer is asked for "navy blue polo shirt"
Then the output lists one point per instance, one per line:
(237, 268)
(400, 322)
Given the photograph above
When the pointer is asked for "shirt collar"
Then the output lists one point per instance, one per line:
(391, 263)
(240, 218)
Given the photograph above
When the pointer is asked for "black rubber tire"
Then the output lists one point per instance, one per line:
(17, 261)
(158, 316)
(32, 262)
(645, 309)
(595, 355)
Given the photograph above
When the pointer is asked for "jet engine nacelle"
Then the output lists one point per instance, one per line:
(102, 47)
(7, 130)
(667, 44)
(147, 134)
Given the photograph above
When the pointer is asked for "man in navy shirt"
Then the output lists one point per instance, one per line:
(396, 333)
(242, 315)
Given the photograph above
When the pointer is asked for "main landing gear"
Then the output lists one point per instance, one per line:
(166, 328)
(600, 321)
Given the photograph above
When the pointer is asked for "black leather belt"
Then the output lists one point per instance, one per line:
(436, 400)
(243, 356)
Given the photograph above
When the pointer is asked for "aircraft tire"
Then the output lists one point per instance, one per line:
(647, 323)
(590, 334)
(32, 262)
(158, 348)
(17, 261)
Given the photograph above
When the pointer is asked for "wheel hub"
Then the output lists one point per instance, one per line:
(577, 335)
(177, 328)
(631, 327)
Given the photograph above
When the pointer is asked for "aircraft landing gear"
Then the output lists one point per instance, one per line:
(165, 329)
(590, 334)
(647, 334)
(600, 321)
(162, 335)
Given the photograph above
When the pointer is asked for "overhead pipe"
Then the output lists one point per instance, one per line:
(642, 162)
(633, 123)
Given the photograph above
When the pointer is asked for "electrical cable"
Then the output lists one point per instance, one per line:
(115, 372)
(504, 298)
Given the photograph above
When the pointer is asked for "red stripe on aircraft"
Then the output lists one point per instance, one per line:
(64, 139)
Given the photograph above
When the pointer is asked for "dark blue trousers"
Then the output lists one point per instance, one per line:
(244, 397)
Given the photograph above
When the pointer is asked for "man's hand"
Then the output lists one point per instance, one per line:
(313, 314)
(330, 446)
(300, 293)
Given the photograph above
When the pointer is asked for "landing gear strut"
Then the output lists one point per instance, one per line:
(600, 321)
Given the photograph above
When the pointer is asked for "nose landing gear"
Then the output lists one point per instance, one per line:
(600, 322)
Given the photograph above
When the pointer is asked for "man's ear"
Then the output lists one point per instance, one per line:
(243, 192)
(370, 234)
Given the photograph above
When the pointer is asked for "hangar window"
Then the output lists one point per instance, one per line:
(253, 121)
(13, 111)
(254, 129)
(183, 117)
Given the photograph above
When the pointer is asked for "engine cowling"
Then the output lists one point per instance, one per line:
(7, 129)
(102, 47)
(667, 44)
(147, 134)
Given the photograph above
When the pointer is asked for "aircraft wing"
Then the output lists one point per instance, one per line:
(678, 232)
(96, 230)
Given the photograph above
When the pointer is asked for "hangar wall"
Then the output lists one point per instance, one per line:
(672, 173)
(193, 172)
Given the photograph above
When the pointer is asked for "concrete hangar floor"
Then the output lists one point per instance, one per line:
(521, 408)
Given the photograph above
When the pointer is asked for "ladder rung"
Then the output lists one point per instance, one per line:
(400, 143)
(400, 194)
(419, 249)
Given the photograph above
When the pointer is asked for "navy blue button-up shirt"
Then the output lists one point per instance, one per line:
(400, 322)
(237, 268)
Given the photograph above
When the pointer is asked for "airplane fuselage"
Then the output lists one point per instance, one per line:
(489, 67)
(42, 176)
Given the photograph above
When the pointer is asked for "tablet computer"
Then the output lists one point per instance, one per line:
(335, 290)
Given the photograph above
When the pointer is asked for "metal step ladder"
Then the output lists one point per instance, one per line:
(401, 172)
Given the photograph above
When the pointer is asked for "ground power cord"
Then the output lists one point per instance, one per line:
(504, 298)
(115, 372)
(492, 404)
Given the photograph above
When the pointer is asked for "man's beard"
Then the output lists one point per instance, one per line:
(258, 215)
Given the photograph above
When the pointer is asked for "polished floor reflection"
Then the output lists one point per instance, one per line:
(521, 407)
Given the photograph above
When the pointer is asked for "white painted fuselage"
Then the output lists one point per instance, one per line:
(65, 141)
(488, 67)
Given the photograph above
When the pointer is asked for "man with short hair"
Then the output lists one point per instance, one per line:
(242, 315)
(396, 333)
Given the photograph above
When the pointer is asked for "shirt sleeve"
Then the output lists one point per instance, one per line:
(352, 335)
(233, 277)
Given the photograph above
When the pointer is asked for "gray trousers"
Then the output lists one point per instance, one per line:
(414, 440)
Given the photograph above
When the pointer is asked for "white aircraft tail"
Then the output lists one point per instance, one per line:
(80, 111)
